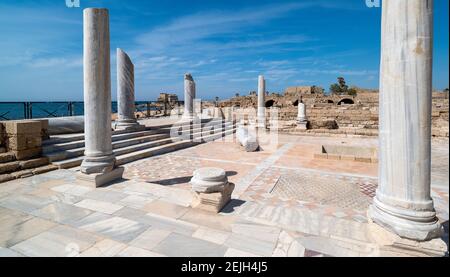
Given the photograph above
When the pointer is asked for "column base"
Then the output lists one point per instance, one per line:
(101, 179)
(302, 125)
(415, 225)
(392, 245)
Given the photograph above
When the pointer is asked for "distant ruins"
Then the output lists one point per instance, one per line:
(336, 114)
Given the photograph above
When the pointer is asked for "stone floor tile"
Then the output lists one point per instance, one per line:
(235, 253)
(150, 238)
(209, 219)
(116, 228)
(138, 252)
(104, 248)
(165, 209)
(8, 253)
(24, 203)
(211, 235)
(99, 206)
(62, 213)
(61, 241)
(13, 233)
(251, 244)
(177, 245)
(259, 231)
(77, 190)
(106, 195)
(136, 201)
(170, 224)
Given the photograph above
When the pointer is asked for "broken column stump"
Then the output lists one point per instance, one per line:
(211, 188)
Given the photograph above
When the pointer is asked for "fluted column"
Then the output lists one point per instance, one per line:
(125, 92)
(403, 203)
(189, 96)
(99, 158)
(261, 114)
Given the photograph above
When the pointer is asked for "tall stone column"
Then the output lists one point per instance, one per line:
(189, 96)
(302, 121)
(126, 108)
(403, 203)
(261, 114)
(99, 162)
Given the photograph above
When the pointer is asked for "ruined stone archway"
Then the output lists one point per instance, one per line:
(346, 101)
(270, 103)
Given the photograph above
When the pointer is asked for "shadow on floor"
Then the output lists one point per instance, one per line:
(232, 205)
(445, 236)
(174, 181)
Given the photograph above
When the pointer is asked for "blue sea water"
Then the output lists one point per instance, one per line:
(14, 111)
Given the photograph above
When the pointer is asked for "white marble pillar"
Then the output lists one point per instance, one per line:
(301, 111)
(403, 203)
(189, 96)
(99, 158)
(126, 108)
(261, 113)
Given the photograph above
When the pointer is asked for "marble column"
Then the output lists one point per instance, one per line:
(403, 204)
(126, 108)
(99, 160)
(261, 113)
(189, 96)
(301, 111)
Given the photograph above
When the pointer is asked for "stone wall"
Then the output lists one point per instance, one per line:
(347, 114)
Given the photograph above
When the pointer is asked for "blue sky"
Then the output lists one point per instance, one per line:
(224, 44)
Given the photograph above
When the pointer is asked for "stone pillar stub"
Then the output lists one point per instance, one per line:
(189, 96)
(99, 160)
(211, 189)
(403, 202)
(126, 109)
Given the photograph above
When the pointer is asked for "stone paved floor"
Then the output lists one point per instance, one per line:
(148, 214)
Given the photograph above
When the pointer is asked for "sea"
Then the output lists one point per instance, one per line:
(20, 110)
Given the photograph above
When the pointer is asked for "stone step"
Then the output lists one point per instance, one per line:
(61, 139)
(140, 151)
(7, 157)
(72, 147)
(134, 156)
(141, 143)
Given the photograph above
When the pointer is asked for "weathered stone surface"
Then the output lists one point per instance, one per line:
(176, 245)
(9, 167)
(99, 157)
(403, 202)
(248, 139)
(101, 179)
(125, 92)
(209, 180)
(213, 202)
(28, 153)
(7, 157)
(189, 96)
(34, 163)
(21, 127)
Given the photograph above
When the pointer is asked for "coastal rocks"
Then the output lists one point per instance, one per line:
(211, 189)
(247, 138)
(99, 164)
(125, 93)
